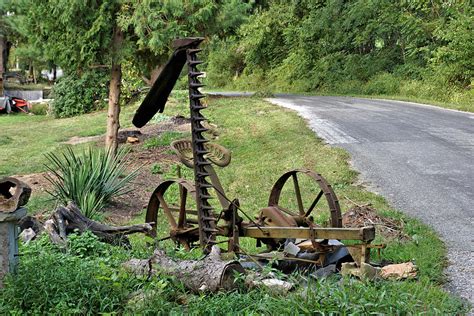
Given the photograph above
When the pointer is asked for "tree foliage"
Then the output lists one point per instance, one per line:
(317, 44)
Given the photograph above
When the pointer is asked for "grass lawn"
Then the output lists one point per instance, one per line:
(27, 138)
(265, 141)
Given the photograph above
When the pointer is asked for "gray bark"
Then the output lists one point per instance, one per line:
(210, 274)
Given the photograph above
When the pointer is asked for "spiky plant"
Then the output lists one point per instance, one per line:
(90, 177)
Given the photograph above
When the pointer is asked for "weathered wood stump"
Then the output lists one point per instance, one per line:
(69, 219)
(13, 194)
(210, 274)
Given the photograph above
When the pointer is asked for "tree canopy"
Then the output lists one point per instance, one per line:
(317, 44)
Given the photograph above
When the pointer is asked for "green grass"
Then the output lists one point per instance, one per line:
(28, 138)
(265, 141)
(164, 139)
(383, 86)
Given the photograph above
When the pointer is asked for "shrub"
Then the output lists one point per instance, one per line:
(225, 62)
(78, 94)
(40, 108)
(90, 178)
(383, 83)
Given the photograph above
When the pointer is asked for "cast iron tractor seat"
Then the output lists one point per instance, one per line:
(217, 154)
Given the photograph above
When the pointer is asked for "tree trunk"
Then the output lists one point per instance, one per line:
(3, 47)
(3, 50)
(113, 122)
(209, 274)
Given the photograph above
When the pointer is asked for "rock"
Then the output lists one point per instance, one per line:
(291, 249)
(324, 272)
(366, 271)
(132, 140)
(27, 235)
(399, 271)
(278, 286)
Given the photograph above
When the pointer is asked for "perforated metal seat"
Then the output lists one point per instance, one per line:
(217, 154)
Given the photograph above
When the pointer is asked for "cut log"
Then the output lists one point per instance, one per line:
(66, 220)
(210, 274)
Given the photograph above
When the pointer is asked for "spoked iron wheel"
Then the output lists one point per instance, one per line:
(309, 193)
(172, 207)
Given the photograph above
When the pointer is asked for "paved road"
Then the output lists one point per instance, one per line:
(421, 158)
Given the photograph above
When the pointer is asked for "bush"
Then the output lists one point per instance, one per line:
(40, 108)
(225, 62)
(383, 83)
(78, 94)
(90, 178)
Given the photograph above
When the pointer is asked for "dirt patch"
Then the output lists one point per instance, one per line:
(75, 140)
(36, 181)
(366, 215)
(177, 123)
(124, 207)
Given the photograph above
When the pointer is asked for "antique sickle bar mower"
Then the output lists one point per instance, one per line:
(181, 210)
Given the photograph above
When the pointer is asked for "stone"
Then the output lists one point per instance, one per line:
(365, 271)
(27, 235)
(324, 272)
(132, 140)
(278, 286)
(406, 270)
(291, 249)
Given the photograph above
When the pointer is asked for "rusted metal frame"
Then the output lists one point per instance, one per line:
(232, 203)
(183, 194)
(298, 194)
(316, 262)
(207, 225)
(218, 187)
(316, 200)
(333, 203)
(167, 211)
(154, 203)
(365, 234)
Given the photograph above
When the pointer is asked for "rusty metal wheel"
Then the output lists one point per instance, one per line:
(306, 185)
(172, 207)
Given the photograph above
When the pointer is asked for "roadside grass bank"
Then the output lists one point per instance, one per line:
(383, 86)
(265, 141)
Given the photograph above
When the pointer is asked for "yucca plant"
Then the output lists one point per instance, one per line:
(90, 178)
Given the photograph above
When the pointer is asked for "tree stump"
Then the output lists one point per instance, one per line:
(13, 194)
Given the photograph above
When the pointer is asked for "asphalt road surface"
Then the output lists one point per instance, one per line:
(421, 158)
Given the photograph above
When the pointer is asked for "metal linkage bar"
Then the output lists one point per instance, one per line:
(365, 234)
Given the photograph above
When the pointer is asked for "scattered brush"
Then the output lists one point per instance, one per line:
(366, 215)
